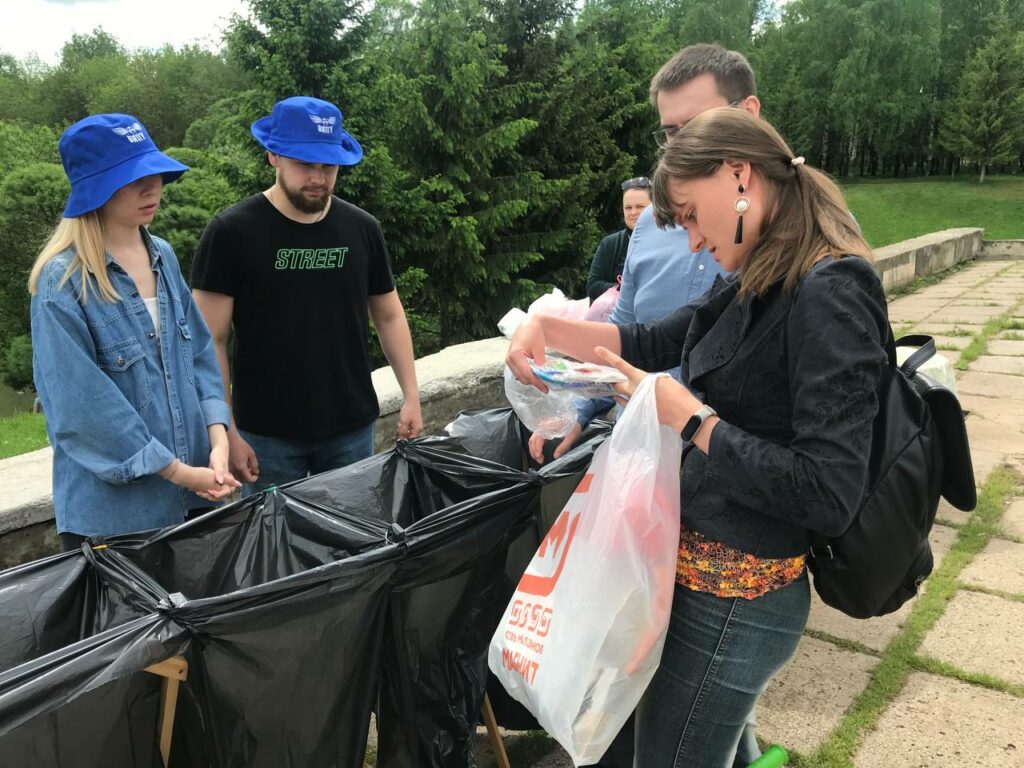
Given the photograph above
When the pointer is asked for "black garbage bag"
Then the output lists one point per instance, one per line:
(76, 635)
(295, 609)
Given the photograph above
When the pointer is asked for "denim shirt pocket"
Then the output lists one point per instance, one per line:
(124, 363)
(185, 342)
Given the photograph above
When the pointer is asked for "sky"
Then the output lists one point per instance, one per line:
(43, 26)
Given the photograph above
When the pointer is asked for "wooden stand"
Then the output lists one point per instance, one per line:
(173, 671)
(492, 731)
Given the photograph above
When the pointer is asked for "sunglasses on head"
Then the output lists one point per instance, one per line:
(640, 182)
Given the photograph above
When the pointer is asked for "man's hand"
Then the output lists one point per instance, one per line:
(243, 462)
(537, 444)
(410, 421)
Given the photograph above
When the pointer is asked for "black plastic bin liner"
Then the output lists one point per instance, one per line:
(49, 604)
(285, 674)
(295, 608)
(258, 540)
(89, 703)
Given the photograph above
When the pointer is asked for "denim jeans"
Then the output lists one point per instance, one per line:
(283, 460)
(719, 656)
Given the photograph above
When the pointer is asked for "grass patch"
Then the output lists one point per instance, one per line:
(892, 210)
(22, 433)
(979, 344)
(899, 658)
(960, 332)
(936, 667)
(1012, 336)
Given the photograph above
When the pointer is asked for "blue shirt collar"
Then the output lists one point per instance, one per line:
(154, 252)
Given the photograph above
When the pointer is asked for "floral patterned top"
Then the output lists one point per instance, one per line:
(709, 566)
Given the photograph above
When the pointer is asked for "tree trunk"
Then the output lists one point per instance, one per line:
(984, 167)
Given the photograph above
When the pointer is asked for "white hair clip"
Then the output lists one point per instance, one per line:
(796, 161)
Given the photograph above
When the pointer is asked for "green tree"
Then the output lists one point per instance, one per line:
(295, 48)
(986, 122)
(31, 200)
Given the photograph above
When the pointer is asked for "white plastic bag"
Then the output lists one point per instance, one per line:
(583, 634)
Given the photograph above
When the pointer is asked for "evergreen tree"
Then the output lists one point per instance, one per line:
(986, 123)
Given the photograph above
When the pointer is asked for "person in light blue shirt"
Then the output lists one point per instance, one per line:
(661, 272)
(123, 363)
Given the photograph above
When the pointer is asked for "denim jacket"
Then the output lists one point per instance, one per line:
(122, 401)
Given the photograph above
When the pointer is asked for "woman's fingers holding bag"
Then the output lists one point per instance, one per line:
(633, 374)
(527, 344)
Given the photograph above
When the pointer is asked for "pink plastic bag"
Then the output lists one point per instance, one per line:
(556, 304)
(601, 308)
(583, 634)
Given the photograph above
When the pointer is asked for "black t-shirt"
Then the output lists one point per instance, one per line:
(301, 366)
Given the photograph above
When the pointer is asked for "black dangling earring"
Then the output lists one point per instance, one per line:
(741, 205)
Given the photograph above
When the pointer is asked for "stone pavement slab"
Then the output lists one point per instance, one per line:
(992, 408)
(808, 698)
(994, 385)
(957, 342)
(1012, 366)
(1001, 347)
(983, 634)
(950, 515)
(935, 328)
(965, 314)
(876, 633)
(999, 566)
(1013, 519)
(937, 722)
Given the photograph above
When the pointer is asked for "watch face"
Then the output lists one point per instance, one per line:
(691, 427)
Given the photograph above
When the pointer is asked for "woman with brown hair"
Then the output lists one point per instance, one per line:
(784, 360)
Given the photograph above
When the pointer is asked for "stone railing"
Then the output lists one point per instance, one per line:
(458, 378)
(902, 263)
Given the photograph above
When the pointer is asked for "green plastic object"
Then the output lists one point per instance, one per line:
(775, 757)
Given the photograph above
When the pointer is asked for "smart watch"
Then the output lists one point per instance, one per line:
(695, 422)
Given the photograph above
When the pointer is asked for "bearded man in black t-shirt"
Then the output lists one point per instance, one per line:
(297, 273)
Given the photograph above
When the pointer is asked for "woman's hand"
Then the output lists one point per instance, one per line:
(537, 441)
(200, 480)
(219, 457)
(527, 344)
(675, 402)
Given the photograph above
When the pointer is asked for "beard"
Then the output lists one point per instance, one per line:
(297, 197)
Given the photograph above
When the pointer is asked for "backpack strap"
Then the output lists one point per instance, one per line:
(926, 350)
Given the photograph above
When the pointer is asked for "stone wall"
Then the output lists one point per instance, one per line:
(902, 263)
(1001, 250)
(458, 378)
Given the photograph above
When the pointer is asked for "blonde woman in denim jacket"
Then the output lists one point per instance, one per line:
(122, 360)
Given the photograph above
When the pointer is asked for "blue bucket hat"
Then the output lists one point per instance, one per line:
(102, 153)
(307, 129)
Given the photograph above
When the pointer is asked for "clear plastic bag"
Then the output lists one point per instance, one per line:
(583, 634)
(550, 415)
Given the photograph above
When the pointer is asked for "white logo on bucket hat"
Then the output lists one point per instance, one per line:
(323, 124)
(133, 132)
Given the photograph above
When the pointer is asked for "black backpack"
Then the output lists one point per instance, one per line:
(919, 452)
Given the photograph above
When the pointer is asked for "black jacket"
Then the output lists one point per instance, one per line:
(608, 263)
(795, 380)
